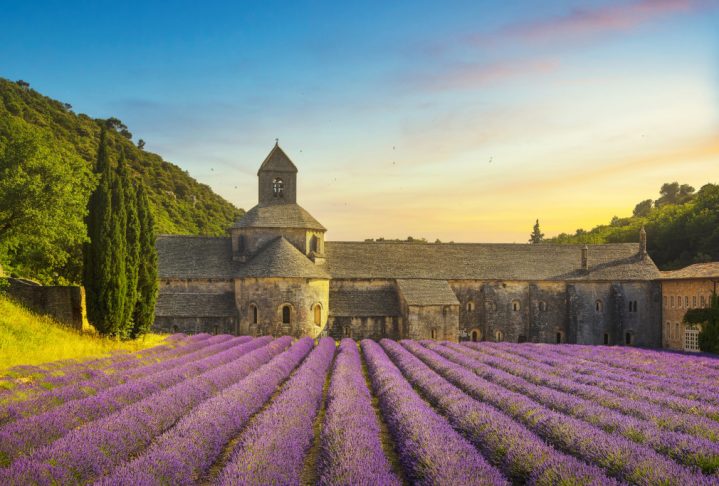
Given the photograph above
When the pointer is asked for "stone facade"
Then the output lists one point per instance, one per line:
(276, 274)
(689, 288)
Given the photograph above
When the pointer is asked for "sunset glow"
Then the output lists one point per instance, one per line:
(463, 122)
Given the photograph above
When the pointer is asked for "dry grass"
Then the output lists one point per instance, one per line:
(30, 339)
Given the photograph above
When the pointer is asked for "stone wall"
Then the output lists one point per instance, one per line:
(270, 295)
(678, 296)
(439, 322)
(365, 327)
(65, 304)
(194, 325)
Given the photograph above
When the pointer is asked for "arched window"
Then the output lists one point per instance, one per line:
(175, 329)
(445, 310)
(665, 301)
(278, 187)
(599, 306)
(315, 244)
(542, 306)
(498, 336)
(470, 306)
(515, 305)
(628, 338)
(253, 313)
(679, 301)
(606, 338)
(215, 329)
(686, 301)
(286, 314)
(318, 315)
(476, 335)
(433, 333)
(560, 337)
(676, 330)
(667, 331)
(348, 331)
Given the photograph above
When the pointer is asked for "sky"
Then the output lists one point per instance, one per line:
(463, 121)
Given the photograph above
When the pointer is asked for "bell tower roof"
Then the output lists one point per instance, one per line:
(277, 161)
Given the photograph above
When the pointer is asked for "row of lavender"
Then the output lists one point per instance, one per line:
(242, 411)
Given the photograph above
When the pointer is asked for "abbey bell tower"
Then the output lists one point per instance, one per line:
(277, 178)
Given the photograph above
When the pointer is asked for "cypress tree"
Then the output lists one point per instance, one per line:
(116, 256)
(132, 245)
(147, 272)
(95, 277)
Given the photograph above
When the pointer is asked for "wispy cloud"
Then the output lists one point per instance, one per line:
(585, 22)
(473, 75)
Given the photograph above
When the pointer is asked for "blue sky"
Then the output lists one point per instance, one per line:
(462, 121)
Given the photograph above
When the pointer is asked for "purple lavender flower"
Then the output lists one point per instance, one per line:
(431, 451)
(272, 449)
(351, 425)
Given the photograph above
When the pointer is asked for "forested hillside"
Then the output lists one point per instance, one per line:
(42, 141)
(682, 226)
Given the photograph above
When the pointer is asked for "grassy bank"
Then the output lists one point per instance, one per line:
(29, 339)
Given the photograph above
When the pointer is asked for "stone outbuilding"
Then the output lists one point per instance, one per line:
(276, 274)
(691, 287)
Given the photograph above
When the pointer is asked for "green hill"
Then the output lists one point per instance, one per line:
(27, 338)
(180, 204)
(682, 226)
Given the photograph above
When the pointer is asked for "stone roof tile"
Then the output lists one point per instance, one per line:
(277, 161)
(360, 302)
(280, 258)
(426, 292)
(698, 270)
(290, 215)
(195, 257)
(195, 305)
(482, 261)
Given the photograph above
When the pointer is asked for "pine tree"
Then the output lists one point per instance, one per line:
(147, 274)
(536, 236)
(132, 244)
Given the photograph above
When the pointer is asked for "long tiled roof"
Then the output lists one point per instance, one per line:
(279, 258)
(698, 270)
(278, 216)
(426, 292)
(479, 261)
(195, 257)
(371, 302)
(195, 305)
(211, 257)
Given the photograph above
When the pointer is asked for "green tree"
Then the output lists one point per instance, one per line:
(144, 312)
(132, 243)
(104, 275)
(643, 208)
(44, 189)
(536, 236)
(673, 193)
(708, 319)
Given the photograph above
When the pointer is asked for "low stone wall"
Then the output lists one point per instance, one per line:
(66, 304)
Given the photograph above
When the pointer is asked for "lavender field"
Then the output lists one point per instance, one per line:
(238, 410)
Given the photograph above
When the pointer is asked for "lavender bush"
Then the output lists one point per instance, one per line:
(431, 451)
(272, 450)
(183, 454)
(351, 425)
(97, 448)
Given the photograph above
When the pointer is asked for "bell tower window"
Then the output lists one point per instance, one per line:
(278, 187)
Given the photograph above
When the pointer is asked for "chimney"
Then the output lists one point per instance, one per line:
(585, 262)
(642, 243)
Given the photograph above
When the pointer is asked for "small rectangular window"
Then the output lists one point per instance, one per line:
(694, 300)
(672, 300)
(686, 301)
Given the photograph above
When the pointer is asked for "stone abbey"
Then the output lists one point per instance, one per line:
(276, 274)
